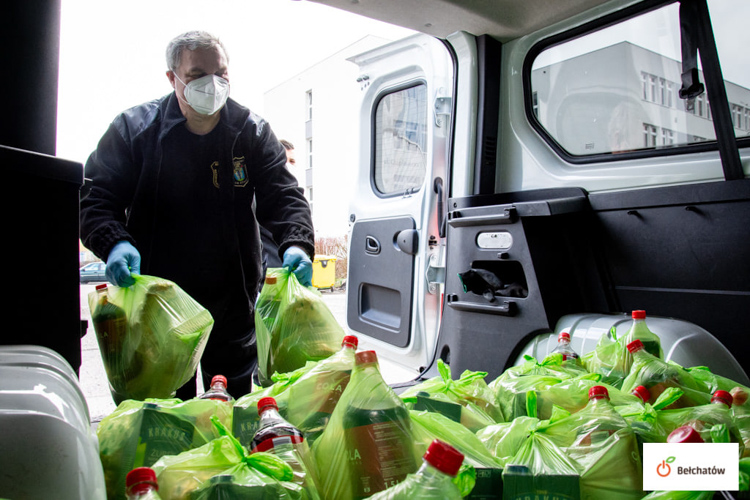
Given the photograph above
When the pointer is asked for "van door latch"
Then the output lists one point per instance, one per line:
(435, 275)
(442, 108)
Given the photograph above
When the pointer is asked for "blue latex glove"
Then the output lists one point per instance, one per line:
(123, 260)
(296, 260)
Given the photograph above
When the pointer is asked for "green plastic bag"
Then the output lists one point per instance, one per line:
(512, 385)
(644, 417)
(610, 358)
(185, 475)
(138, 434)
(293, 325)
(604, 449)
(368, 444)
(314, 395)
(483, 471)
(151, 336)
(505, 439)
(714, 422)
(468, 400)
(572, 395)
(657, 375)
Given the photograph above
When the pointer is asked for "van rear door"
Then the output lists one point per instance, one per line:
(393, 288)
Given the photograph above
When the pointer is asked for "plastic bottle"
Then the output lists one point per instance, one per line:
(653, 373)
(604, 420)
(141, 484)
(273, 429)
(315, 395)
(639, 331)
(722, 397)
(433, 480)
(564, 348)
(218, 390)
(684, 434)
(641, 393)
(111, 325)
(377, 431)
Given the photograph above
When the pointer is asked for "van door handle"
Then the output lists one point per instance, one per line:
(372, 245)
(440, 206)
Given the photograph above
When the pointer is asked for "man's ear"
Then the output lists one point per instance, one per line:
(170, 76)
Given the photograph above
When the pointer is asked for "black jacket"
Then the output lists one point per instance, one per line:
(128, 189)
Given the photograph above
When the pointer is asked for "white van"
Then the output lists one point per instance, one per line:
(531, 167)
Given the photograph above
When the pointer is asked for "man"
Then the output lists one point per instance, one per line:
(173, 184)
(270, 248)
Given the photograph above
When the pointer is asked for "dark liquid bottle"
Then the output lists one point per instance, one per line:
(378, 439)
(111, 325)
(273, 429)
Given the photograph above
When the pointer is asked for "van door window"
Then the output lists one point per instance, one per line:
(617, 89)
(400, 141)
(732, 15)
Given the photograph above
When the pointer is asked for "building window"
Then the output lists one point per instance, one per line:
(667, 137)
(649, 135)
(737, 116)
(670, 94)
(309, 101)
(535, 103)
(400, 134)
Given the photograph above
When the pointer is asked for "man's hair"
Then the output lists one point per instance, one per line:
(191, 40)
(287, 145)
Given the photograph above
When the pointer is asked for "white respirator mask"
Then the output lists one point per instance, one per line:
(207, 94)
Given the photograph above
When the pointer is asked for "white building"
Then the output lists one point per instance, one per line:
(625, 97)
(318, 112)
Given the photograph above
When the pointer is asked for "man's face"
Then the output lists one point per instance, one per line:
(291, 161)
(195, 64)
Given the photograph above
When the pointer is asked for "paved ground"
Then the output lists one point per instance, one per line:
(94, 380)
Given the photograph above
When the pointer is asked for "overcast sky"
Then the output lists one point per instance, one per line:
(112, 53)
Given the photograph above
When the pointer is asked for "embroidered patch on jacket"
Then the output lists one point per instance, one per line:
(240, 172)
(215, 174)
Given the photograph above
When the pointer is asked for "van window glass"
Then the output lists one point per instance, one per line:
(617, 89)
(401, 140)
(731, 44)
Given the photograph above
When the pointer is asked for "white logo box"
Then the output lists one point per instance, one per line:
(691, 466)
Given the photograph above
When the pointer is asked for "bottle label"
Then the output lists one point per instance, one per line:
(163, 434)
(380, 456)
(270, 444)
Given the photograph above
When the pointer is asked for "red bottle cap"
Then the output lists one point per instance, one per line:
(444, 457)
(642, 393)
(598, 392)
(635, 346)
(266, 402)
(639, 314)
(141, 479)
(684, 434)
(365, 357)
(350, 340)
(219, 378)
(722, 397)
(563, 336)
(101, 286)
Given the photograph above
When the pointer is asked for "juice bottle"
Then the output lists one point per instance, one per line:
(218, 390)
(564, 348)
(273, 429)
(141, 484)
(314, 396)
(639, 331)
(111, 325)
(377, 431)
(654, 374)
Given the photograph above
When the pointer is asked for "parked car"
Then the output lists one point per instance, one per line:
(94, 272)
